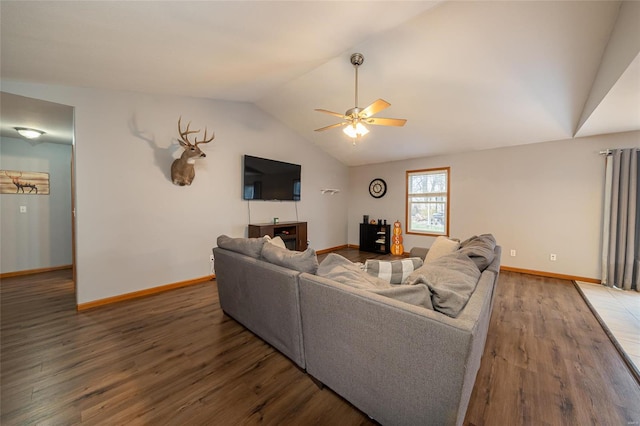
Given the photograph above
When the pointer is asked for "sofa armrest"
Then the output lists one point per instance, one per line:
(420, 252)
(264, 298)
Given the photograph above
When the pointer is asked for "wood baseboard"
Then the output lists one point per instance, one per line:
(34, 271)
(329, 250)
(549, 274)
(143, 293)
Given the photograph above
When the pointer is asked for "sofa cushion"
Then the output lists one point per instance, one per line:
(251, 247)
(441, 247)
(451, 280)
(481, 250)
(394, 271)
(305, 261)
(342, 270)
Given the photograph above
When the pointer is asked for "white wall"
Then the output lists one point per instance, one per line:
(135, 229)
(537, 199)
(41, 237)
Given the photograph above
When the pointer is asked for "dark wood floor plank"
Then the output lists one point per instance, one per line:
(175, 358)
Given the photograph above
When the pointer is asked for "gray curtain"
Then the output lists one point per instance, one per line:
(621, 230)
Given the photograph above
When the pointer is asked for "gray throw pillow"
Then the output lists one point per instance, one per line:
(248, 246)
(481, 250)
(305, 261)
(394, 271)
(468, 240)
(451, 280)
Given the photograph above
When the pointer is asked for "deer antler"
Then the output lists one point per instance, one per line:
(205, 140)
(184, 136)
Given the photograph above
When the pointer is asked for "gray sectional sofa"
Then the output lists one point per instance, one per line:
(382, 349)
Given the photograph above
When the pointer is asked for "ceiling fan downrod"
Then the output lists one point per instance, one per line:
(356, 60)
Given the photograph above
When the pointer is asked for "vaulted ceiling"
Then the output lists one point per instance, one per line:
(466, 75)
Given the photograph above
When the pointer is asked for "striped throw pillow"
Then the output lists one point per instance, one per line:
(393, 271)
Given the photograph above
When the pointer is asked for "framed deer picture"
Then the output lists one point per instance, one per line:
(17, 182)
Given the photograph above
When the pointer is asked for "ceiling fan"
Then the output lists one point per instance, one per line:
(355, 118)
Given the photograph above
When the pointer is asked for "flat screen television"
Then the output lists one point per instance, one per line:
(266, 179)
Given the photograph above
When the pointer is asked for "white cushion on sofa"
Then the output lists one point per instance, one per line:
(276, 241)
(441, 247)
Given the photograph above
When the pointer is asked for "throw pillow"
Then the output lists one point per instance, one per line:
(468, 240)
(481, 250)
(441, 247)
(248, 246)
(451, 280)
(342, 270)
(305, 261)
(394, 271)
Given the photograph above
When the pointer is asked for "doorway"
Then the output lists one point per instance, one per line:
(37, 230)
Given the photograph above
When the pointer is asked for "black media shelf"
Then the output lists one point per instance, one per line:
(375, 238)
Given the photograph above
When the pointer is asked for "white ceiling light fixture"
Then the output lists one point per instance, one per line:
(356, 117)
(355, 130)
(28, 133)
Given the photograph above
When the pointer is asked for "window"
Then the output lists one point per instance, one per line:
(428, 201)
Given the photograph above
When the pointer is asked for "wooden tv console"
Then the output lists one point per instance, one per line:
(294, 234)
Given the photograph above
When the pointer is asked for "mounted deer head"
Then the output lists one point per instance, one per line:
(182, 171)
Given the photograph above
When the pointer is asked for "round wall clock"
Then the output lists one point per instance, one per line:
(377, 188)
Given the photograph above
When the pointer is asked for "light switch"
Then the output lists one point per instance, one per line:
(23, 209)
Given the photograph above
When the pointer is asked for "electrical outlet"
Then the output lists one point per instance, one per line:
(211, 257)
(553, 257)
(513, 253)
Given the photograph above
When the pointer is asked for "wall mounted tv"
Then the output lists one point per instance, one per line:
(270, 180)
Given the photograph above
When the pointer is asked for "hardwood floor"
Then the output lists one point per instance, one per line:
(618, 312)
(175, 358)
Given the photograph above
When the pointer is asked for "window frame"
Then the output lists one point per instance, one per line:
(436, 170)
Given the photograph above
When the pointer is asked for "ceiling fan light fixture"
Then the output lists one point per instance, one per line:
(28, 133)
(355, 130)
(353, 118)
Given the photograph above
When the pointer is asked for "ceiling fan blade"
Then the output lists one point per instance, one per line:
(332, 126)
(374, 108)
(337, 114)
(386, 121)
